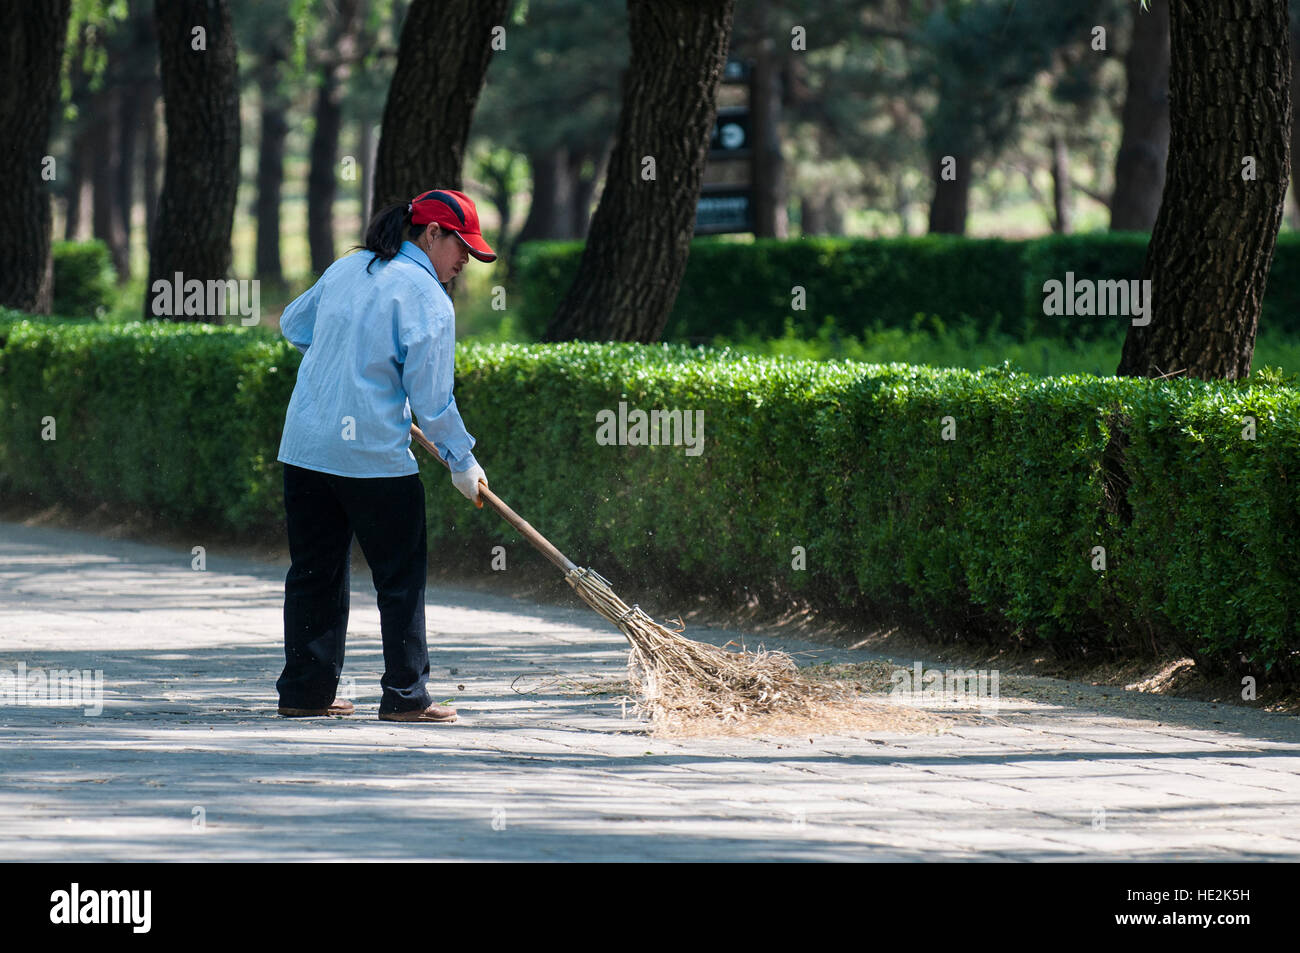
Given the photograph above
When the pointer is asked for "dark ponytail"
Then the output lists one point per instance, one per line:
(388, 228)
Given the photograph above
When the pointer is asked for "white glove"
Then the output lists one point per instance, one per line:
(467, 482)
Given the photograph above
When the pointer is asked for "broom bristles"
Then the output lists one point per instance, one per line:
(680, 679)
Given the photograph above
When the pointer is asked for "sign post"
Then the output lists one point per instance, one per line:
(726, 202)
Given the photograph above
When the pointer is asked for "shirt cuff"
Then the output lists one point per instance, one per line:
(462, 463)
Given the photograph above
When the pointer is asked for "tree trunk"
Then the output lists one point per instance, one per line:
(1144, 142)
(270, 168)
(502, 200)
(951, 197)
(128, 126)
(812, 218)
(75, 165)
(105, 217)
(201, 98)
(1213, 240)
(833, 211)
(1295, 124)
(821, 215)
(1060, 185)
(550, 210)
(442, 59)
(581, 188)
(30, 57)
(151, 162)
(902, 204)
(584, 191)
(641, 232)
(322, 178)
(322, 183)
(136, 56)
(78, 194)
(771, 219)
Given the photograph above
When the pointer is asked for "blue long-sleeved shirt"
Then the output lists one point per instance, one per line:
(376, 347)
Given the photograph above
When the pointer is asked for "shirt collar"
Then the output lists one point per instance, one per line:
(416, 254)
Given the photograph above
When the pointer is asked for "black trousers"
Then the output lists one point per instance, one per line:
(323, 511)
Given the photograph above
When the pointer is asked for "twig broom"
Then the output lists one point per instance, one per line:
(677, 678)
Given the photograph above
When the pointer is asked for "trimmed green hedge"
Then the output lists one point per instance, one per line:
(735, 290)
(83, 278)
(993, 531)
(1101, 255)
(732, 289)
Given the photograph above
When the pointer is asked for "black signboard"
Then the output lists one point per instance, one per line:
(730, 136)
(722, 210)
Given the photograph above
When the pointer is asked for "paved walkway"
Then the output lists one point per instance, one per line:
(188, 760)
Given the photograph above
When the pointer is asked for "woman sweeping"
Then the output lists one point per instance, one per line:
(377, 332)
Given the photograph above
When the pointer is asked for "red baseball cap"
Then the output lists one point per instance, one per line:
(455, 212)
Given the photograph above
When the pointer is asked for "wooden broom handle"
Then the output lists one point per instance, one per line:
(510, 516)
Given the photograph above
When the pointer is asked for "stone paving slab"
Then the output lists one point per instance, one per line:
(188, 761)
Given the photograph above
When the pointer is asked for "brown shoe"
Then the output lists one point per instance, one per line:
(434, 713)
(339, 706)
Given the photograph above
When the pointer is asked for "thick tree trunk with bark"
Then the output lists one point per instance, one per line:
(641, 232)
(201, 97)
(1144, 142)
(30, 55)
(951, 199)
(1295, 122)
(442, 60)
(1213, 240)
